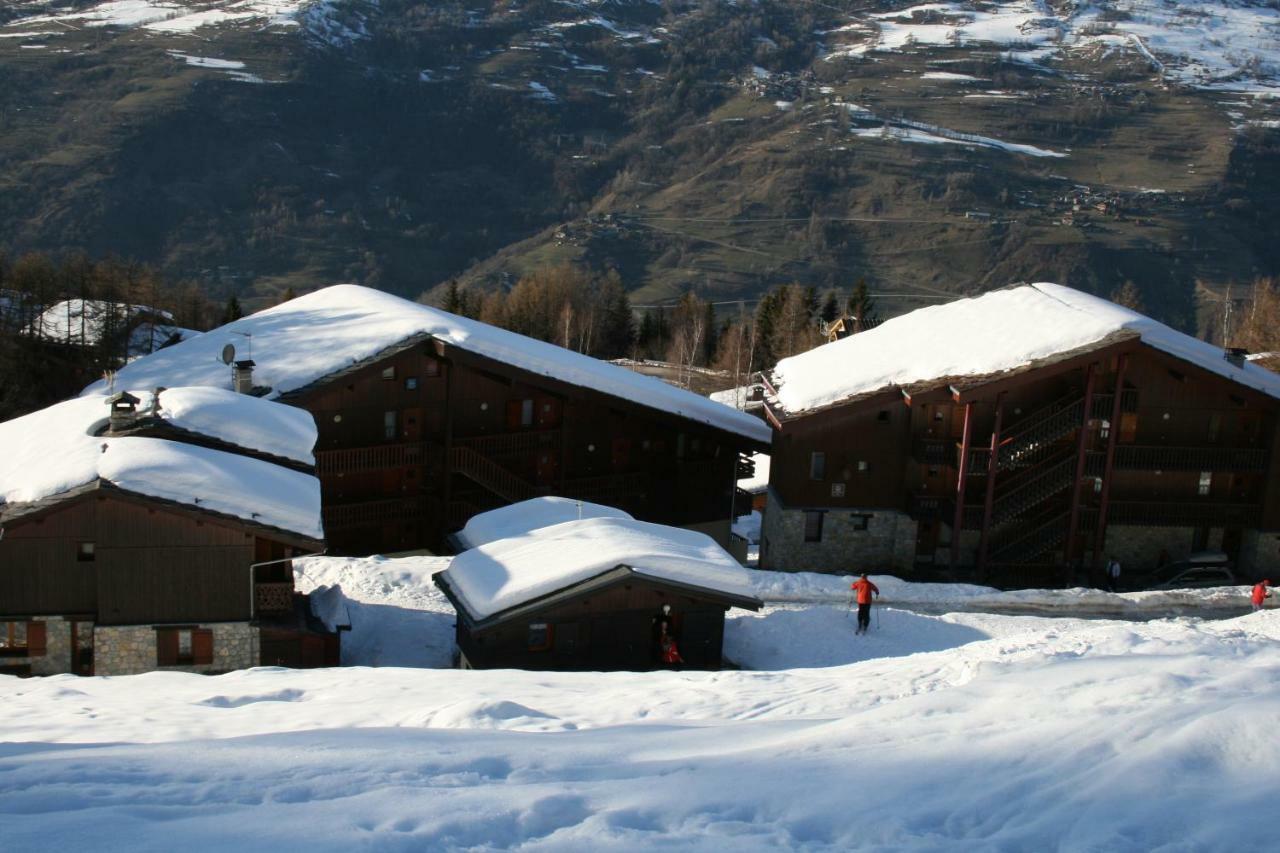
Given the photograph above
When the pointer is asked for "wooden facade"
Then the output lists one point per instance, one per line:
(606, 623)
(105, 558)
(415, 442)
(1031, 477)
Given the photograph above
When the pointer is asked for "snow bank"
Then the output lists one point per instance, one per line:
(813, 587)
(396, 616)
(509, 572)
(1050, 735)
(314, 336)
(520, 518)
(997, 332)
(54, 450)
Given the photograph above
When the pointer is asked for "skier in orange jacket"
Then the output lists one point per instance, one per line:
(864, 588)
(1260, 594)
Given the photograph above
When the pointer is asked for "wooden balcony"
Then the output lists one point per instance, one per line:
(273, 597)
(512, 445)
(1136, 457)
(375, 458)
(346, 516)
(1184, 514)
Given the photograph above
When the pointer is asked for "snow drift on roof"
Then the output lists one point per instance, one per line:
(990, 334)
(54, 450)
(510, 572)
(319, 334)
(520, 518)
(248, 422)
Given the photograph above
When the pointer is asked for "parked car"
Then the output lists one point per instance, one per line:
(1197, 571)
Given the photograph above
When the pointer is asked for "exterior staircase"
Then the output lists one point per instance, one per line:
(483, 471)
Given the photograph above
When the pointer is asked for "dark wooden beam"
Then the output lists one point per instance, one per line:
(1100, 534)
(1081, 445)
(993, 464)
(963, 471)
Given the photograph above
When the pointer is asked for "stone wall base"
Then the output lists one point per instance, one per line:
(131, 649)
(874, 540)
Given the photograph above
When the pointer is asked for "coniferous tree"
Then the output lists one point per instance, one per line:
(862, 306)
(830, 308)
(231, 312)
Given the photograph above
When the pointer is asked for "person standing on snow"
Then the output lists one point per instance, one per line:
(864, 588)
(1113, 574)
(1260, 594)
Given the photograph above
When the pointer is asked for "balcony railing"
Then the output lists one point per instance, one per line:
(509, 445)
(1184, 514)
(375, 458)
(339, 516)
(1133, 457)
(272, 597)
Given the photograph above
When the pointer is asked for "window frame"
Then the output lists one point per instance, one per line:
(817, 465)
(547, 633)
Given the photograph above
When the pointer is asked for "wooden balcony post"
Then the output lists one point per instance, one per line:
(962, 471)
(442, 524)
(993, 464)
(1081, 444)
(1100, 534)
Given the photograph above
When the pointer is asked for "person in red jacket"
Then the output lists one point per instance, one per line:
(1260, 594)
(864, 588)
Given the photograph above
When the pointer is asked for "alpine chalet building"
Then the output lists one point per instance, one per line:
(154, 530)
(426, 419)
(1022, 437)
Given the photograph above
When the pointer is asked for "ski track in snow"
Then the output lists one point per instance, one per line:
(969, 730)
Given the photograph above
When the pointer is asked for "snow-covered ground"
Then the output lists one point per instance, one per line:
(967, 730)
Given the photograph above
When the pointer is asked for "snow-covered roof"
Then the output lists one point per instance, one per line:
(510, 572)
(984, 336)
(520, 518)
(86, 321)
(55, 450)
(239, 419)
(317, 335)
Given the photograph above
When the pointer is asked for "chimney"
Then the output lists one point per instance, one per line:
(1236, 355)
(124, 412)
(242, 377)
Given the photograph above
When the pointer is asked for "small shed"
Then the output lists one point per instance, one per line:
(595, 594)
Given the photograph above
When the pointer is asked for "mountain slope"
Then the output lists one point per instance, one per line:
(933, 149)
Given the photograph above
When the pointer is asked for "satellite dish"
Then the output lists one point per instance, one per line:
(228, 353)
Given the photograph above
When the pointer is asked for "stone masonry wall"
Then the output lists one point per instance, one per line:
(1138, 548)
(888, 543)
(130, 649)
(1260, 556)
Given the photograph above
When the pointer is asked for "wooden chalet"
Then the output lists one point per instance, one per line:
(138, 540)
(426, 419)
(595, 594)
(1022, 438)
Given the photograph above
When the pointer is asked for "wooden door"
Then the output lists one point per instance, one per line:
(82, 648)
(548, 467)
(412, 420)
(621, 454)
(548, 411)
